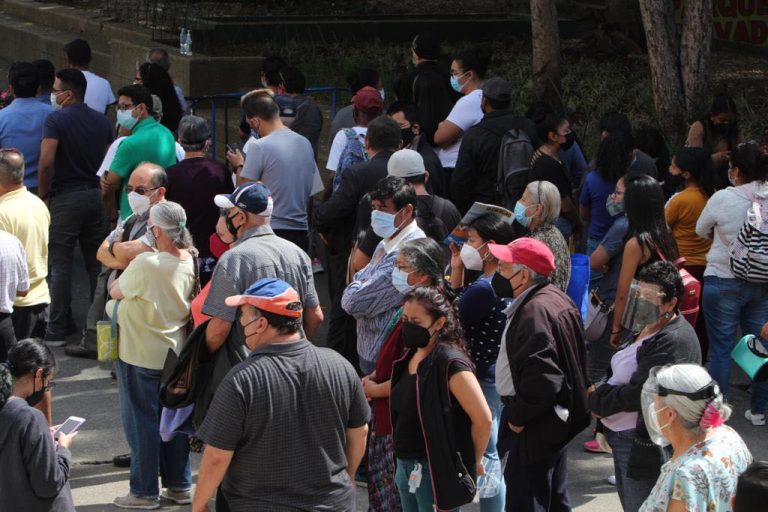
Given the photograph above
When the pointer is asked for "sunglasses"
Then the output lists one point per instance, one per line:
(139, 190)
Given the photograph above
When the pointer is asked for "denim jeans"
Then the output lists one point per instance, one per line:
(621, 445)
(422, 500)
(76, 217)
(495, 504)
(139, 392)
(727, 305)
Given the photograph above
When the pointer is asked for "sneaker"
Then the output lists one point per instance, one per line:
(757, 420)
(178, 497)
(317, 267)
(80, 351)
(136, 502)
(593, 447)
(612, 479)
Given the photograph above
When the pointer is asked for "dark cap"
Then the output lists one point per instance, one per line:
(193, 130)
(251, 197)
(368, 100)
(497, 89)
(427, 45)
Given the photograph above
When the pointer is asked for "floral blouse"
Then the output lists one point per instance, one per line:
(704, 477)
(553, 239)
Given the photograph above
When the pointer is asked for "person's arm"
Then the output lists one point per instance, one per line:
(447, 133)
(599, 259)
(376, 390)
(125, 252)
(110, 183)
(213, 467)
(695, 135)
(47, 466)
(631, 259)
(106, 258)
(466, 389)
(705, 226)
(313, 317)
(374, 295)
(48, 149)
(216, 333)
(114, 291)
(457, 267)
(676, 505)
(672, 212)
(355, 449)
(360, 260)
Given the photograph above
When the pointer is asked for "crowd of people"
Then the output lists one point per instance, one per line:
(462, 355)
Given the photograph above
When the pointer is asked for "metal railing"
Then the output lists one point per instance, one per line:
(214, 103)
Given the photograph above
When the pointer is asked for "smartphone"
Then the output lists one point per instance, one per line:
(72, 424)
(232, 147)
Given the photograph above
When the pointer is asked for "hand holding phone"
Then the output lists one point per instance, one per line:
(70, 426)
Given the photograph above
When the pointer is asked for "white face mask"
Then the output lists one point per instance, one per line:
(656, 431)
(471, 258)
(139, 204)
(55, 104)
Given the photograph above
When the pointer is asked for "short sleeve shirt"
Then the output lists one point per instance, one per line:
(546, 168)
(594, 194)
(465, 114)
(284, 413)
(98, 93)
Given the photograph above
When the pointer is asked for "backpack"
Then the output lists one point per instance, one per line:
(514, 158)
(749, 250)
(353, 153)
(689, 305)
(431, 222)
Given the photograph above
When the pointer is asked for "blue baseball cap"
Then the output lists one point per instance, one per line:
(272, 295)
(251, 197)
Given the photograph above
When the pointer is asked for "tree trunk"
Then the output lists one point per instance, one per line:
(667, 87)
(546, 50)
(695, 46)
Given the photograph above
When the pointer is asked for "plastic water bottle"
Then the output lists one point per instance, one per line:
(189, 43)
(489, 484)
(414, 479)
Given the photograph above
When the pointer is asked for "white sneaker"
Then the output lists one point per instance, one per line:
(756, 419)
(612, 479)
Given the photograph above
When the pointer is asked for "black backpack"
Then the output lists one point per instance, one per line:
(514, 157)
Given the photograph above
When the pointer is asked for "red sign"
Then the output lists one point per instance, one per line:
(737, 21)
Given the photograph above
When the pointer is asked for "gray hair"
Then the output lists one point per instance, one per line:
(11, 171)
(535, 276)
(172, 219)
(548, 196)
(193, 133)
(424, 255)
(158, 178)
(690, 378)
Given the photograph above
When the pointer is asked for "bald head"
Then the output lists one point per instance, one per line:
(11, 168)
(151, 178)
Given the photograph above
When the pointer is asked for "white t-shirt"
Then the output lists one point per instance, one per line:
(338, 145)
(98, 94)
(465, 114)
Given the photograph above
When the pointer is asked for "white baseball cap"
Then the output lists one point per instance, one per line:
(405, 163)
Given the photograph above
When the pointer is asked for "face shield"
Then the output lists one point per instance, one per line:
(643, 306)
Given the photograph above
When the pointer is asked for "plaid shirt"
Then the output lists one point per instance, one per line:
(13, 270)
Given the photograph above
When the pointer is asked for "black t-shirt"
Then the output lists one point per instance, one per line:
(546, 168)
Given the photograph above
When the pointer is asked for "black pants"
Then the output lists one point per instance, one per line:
(538, 487)
(7, 338)
(25, 319)
(299, 237)
(221, 501)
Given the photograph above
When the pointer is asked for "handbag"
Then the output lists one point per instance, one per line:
(108, 338)
(597, 317)
(751, 355)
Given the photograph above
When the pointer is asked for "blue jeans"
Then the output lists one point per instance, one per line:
(728, 304)
(632, 493)
(139, 392)
(495, 504)
(422, 500)
(76, 217)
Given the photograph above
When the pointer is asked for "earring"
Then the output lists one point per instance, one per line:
(667, 315)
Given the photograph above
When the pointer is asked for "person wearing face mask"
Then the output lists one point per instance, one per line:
(475, 176)
(718, 133)
(683, 407)
(440, 420)
(75, 139)
(149, 141)
(418, 264)
(35, 470)
(371, 298)
(537, 212)
(545, 165)
(729, 302)
(540, 376)
(194, 182)
(468, 72)
(482, 318)
(659, 336)
(155, 292)
(147, 186)
(296, 405)
(255, 252)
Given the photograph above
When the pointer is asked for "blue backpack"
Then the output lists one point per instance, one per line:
(353, 153)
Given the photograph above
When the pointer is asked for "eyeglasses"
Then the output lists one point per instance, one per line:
(125, 107)
(139, 190)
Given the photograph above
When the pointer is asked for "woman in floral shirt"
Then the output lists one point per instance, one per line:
(683, 406)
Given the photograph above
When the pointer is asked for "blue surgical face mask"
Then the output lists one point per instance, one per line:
(383, 223)
(400, 281)
(455, 82)
(125, 119)
(520, 216)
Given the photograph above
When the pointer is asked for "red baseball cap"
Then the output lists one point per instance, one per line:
(368, 100)
(526, 251)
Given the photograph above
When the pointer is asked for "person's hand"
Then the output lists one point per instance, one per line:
(235, 158)
(480, 468)
(515, 428)
(65, 440)
(368, 386)
(200, 508)
(104, 184)
(615, 338)
(456, 256)
(721, 158)
(591, 389)
(764, 331)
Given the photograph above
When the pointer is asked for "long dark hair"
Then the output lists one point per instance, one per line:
(698, 163)
(437, 305)
(159, 83)
(644, 207)
(613, 156)
(721, 104)
(26, 356)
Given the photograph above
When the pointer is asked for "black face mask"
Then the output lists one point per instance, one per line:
(501, 286)
(569, 140)
(407, 136)
(231, 226)
(416, 336)
(36, 396)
